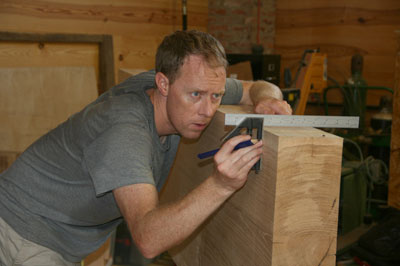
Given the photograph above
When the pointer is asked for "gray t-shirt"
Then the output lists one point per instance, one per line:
(58, 193)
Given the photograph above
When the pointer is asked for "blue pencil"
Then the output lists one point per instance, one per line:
(213, 152)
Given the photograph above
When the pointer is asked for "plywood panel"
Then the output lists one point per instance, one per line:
(285, 215)
(341, 29)
(18, 54)
(24, 54)
(6, 159)
(35, 100)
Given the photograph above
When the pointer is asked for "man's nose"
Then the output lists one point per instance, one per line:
(207, 108)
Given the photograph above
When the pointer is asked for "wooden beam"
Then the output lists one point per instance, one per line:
(106, 63)
(394, 181)
(105, 42)
(285, 215)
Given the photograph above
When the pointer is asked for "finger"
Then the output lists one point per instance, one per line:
(228, 147)
(241, 157)
(288, 108)
(264, 109)
(246, 169)
(283, 108)
(243, 166)
(234, 168)
(231, 162)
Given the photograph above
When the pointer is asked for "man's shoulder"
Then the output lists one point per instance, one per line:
(233, 91)
(133, 105)
(139, 82)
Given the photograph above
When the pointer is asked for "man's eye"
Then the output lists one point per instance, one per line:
(195, 94)
(217, 95)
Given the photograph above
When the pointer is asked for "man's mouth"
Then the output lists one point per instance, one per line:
(200, 126)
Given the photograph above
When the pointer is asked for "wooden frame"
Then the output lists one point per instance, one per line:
(106, 81)
(105, 42)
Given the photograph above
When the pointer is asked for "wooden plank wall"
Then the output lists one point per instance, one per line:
(137, 28)
(341, 28)
(35, 100)
(394, 182)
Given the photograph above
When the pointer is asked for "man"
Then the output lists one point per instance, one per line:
(67, 192)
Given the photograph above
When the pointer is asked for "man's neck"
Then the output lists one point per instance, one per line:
(160, 113)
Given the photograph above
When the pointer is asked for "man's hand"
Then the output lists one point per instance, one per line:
(156, 228)
(232, 167)
(265, 97)
(270, 105)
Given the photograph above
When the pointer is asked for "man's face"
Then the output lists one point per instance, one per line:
(195, 96)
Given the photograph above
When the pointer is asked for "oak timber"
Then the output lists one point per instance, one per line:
(285, 215)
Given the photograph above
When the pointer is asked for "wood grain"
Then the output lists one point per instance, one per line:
(35, 100)
(285, 215)
(134, 13)
(6, 159)
(394, 181)
(18, 54)
(123, 73)
(136, 26)
(106, 78)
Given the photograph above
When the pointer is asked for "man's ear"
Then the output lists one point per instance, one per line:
(162, 83)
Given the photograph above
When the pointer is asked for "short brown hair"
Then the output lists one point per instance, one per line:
(175, 47)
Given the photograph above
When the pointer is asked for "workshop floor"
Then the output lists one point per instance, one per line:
(164, 260)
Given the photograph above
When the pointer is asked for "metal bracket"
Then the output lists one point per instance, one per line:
(250, 124)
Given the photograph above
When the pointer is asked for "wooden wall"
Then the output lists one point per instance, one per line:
(394, 182)
(137, 28)
(341, 28)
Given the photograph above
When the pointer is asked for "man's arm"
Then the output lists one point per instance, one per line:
(265, 97)
(157, 228)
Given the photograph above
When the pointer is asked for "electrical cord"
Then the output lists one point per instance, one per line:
(375, 169)
(376, 173)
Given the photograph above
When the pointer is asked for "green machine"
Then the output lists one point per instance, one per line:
(359, 180)
(353, 197)
(364, 168)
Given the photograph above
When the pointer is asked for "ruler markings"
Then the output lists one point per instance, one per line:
(297, 120)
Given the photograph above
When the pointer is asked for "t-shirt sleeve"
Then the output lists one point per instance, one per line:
(120, 156)
(233, 92)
